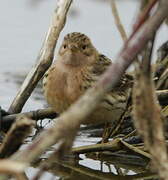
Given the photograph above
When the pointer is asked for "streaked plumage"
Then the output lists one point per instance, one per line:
(78, 66)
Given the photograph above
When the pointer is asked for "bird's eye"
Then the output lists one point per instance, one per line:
(84, 47)
(65, 46)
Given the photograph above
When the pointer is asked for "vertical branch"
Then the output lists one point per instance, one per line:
(147, 114)
(118, 21)
(148, 120)
(44, 58)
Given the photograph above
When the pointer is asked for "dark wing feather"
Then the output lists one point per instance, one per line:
(101, 66)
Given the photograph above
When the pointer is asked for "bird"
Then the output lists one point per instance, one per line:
(78, 66)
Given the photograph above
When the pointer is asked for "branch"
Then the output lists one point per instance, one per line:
(12, 168)
(118, 21)
(136, 149)
(44, 58)
(15, 136)
(143, 16)
(34, 115)
(110, 146)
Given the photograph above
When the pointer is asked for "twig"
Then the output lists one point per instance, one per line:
(163, 80)
(118, 21)
(165, 111)
(134, 132)
(127, 109)
(44, 58)
(68, 123)
(34, 115)
(114, 145)
(136, 149)
(15, 136)
(85, 172)
(161, 94)
(64, 168)
(111, 146)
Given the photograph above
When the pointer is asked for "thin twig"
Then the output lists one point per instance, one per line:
(111, 146)
(134, 132)
(136, 149)
(118, 21)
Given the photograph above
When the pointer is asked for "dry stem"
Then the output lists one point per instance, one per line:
(111, 146)
(44, 58)
(34, 115)
(15, 136)
(118, 21)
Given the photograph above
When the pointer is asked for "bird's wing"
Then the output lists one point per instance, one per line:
(101, 66)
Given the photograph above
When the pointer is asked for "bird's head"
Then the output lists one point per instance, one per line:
(77, 50)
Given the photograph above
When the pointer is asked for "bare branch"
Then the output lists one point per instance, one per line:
(136, 149)
(118, 21)
(15, 136)
(112, 146)
(44, 58)
(34, 115)
(143, 16)
(12, 168)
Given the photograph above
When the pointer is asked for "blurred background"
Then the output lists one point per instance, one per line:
(25, 22)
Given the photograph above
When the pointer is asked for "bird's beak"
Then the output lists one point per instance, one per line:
(70, 57)
(72, 48)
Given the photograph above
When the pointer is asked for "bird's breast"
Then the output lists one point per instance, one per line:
(62, 87)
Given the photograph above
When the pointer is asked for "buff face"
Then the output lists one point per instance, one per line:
(77, 50)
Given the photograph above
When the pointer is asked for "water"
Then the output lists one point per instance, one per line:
(24, 25)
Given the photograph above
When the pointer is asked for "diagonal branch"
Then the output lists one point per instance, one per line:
(16, 135)
(44, 58)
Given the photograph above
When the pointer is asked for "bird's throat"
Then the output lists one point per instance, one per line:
(72, 59)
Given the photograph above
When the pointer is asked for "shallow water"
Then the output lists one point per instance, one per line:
(24, 24)
(23, 27)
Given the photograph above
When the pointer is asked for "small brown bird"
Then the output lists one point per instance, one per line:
(77, 68)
